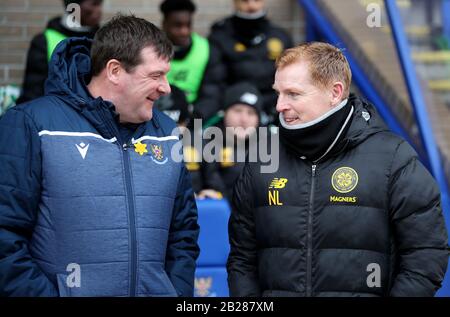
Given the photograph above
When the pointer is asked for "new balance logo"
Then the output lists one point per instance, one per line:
(82, 148)
(278, 183)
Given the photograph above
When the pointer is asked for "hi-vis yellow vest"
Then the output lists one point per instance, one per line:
(53, 38)
(187, 74)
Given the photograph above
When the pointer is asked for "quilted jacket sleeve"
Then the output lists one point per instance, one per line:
(242, 261)
(182, 248)
(20, 178)
(419, 227)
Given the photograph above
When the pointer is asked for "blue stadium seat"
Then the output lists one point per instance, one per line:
(211, 274)
(211, 282)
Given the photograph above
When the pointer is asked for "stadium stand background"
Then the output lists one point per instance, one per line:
(20, 20)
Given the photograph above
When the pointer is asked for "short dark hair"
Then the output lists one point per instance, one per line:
(169, 6)
(123, 38)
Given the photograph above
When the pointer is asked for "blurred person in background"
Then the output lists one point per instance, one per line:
(176, 106)
(43, 44)
(247, 45)
(242, 108)
(191, 65)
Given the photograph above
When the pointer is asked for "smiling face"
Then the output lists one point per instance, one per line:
(299, 100)
(139, 88)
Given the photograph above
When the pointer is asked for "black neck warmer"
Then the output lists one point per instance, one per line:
(315, 139)
(250, 31)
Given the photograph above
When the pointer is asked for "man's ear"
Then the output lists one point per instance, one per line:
(113, 71)
(337, 93)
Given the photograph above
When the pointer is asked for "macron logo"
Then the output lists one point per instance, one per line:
(82, 148)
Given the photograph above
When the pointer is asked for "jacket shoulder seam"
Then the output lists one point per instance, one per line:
(28, 116)
(393, 159)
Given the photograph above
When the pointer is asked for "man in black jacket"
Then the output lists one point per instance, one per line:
(244, 47)
(43, 44)
(350, 212)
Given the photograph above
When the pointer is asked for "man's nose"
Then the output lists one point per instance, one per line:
(164, 87)
(185, 31)
(281, 104)
(252, 6)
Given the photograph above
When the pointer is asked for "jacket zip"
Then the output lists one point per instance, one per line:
(131, 207)
(131, 218)
(309, 235)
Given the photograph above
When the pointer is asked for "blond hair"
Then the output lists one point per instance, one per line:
(327, 64)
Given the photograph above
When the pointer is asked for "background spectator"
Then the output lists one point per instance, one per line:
(247, 44)
(242, 106)
(43, 44)
(191, 65)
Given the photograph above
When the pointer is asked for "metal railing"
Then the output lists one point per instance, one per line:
(320, 24)
(420, 110)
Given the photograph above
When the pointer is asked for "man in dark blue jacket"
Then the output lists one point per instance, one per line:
(91, 201)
